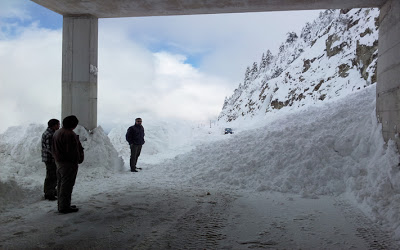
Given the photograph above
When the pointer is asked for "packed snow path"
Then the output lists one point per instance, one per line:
(144, 216)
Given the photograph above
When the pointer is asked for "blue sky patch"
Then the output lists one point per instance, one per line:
(48, 19)
(192, 58)
(42, 17)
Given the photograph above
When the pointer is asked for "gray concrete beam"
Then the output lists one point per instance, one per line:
(388, 87)
(130, 8)
(79, 69)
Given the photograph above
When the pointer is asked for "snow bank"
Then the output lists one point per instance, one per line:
(22, 171)
(164, 139)
(329, 150)
(20, 150)
(101, 158)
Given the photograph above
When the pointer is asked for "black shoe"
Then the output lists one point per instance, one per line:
(50, 197)
(139, 168)
(134, 170)
(69, 210)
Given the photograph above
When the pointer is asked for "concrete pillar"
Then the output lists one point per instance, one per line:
(388, 87)
(79, 69)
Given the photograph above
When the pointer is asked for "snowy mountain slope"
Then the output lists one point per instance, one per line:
(332, 57)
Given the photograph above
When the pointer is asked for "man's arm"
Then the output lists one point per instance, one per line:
(47, 142)
(81, 152)
(128, 135)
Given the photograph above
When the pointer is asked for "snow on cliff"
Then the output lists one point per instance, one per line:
(332, 57)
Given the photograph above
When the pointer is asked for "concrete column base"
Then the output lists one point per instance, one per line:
(388, 87)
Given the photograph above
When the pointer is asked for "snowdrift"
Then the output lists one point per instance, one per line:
(22, 171)
(163, 139)
(336, 148)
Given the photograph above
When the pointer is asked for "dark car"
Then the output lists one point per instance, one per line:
(228, 131)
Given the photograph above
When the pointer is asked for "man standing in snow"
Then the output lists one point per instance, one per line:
(135, 137)
(68, 153)
(50, 182)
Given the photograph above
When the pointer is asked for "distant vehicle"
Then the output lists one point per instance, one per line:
(228, 131)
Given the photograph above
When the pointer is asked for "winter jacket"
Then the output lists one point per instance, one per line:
(67, 147)
(47, 138)
(135, 135)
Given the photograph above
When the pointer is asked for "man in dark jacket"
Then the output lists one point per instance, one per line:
(68, 153)
(135, 138)
(50, 182)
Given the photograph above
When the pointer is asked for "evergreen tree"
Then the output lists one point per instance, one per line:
(277, 72)
(306, 32)
(247, 75)
(254, 70)
(225, 103)
(292, 36)
(266, 60)
(269, 57)
(263, 63)
(281, 48)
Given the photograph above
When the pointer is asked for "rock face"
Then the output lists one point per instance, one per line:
(333, 56)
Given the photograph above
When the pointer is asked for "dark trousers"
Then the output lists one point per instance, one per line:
(66, 175)
(135, 152)
(50, 183)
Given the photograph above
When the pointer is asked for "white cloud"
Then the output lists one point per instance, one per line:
(197, 96)
(226, 43)
(14, 9)
(132, 81)
(30, 89)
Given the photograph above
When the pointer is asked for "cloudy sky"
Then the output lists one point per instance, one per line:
(176, 67)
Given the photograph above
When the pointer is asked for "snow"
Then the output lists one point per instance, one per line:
(309, 73)
(332, 150)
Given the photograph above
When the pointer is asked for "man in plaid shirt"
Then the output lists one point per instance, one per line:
(50, 182)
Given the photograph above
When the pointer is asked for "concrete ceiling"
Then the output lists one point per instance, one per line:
(136, 8)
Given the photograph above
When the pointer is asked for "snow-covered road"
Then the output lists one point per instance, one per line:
(279, 221)
(144, 216)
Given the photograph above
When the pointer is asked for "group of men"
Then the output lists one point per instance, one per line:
(62, 152)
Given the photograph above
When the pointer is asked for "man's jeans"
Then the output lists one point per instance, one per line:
(66, 175)
(50, 182)
(135, 152)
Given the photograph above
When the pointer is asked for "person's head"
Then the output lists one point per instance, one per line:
(138, 121)
(53, 124)
(70, 122)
